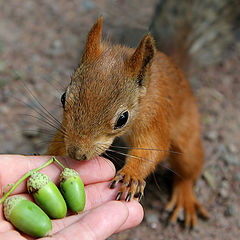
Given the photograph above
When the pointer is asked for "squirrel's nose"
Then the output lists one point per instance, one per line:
(76, 153)
(80, 157)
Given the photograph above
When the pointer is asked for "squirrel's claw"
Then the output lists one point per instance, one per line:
(119, 195)
(131, 187)
(118, 178)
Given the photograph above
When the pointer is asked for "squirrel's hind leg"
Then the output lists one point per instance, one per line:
(187, 164)
(183, 197)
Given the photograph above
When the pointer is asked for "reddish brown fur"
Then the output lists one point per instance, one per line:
(163, 115)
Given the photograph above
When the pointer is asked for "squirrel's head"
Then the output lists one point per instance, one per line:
(104, 96)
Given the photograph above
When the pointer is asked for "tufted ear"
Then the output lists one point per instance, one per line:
(92, 46)
(141, 59)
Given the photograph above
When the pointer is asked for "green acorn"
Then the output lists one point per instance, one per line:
(47, 195)
(72, 189)
(27, 216)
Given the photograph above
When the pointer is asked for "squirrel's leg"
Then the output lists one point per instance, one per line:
(140, 162)
(187, 164)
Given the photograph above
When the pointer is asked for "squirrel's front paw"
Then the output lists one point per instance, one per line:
(133, 186)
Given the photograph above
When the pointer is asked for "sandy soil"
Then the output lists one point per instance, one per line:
(40, 44)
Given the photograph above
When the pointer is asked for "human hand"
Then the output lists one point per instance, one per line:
(101, 217)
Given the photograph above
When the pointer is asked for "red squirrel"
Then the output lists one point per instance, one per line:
(143, 96)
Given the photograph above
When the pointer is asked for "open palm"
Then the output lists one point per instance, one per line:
(102, 216)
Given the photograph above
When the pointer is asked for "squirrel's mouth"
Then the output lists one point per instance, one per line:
(86, 151)
(78, 157)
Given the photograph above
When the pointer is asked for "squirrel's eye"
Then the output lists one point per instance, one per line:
(63, 99)
(122, 120)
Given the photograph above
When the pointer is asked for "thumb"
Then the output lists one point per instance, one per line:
(97, 224)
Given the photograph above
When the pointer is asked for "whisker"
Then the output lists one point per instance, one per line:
(152, 149)
(40, 112)
(41, 131)
(104, 158)
(60, 129)
(115, 159)
(38, 131)
(57, 86)
(147, 149)
(128, 155)
(98, 163)
(47, 142)
(41, 105)
(33, 108)
(155, 180)
(145, 159)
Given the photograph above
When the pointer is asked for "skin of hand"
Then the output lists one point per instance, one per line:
(101, 217)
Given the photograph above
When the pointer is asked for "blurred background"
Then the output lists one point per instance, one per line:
(41, 44)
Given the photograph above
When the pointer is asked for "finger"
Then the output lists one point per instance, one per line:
(97, 223)
(99, 193)
(12, 167)
(95, 170)
(11, 235)
(5, 226)
(96, 195)
(135, 217)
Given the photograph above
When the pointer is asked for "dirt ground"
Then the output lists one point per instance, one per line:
(40, 44)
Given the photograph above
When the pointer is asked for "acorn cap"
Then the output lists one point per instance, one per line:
(37, 181)
(67, 173)
(9, 205)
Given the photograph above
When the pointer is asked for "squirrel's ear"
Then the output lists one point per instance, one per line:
(141, 59)
(92, 46)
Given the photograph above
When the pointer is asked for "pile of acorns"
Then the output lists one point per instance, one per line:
(34, 219)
